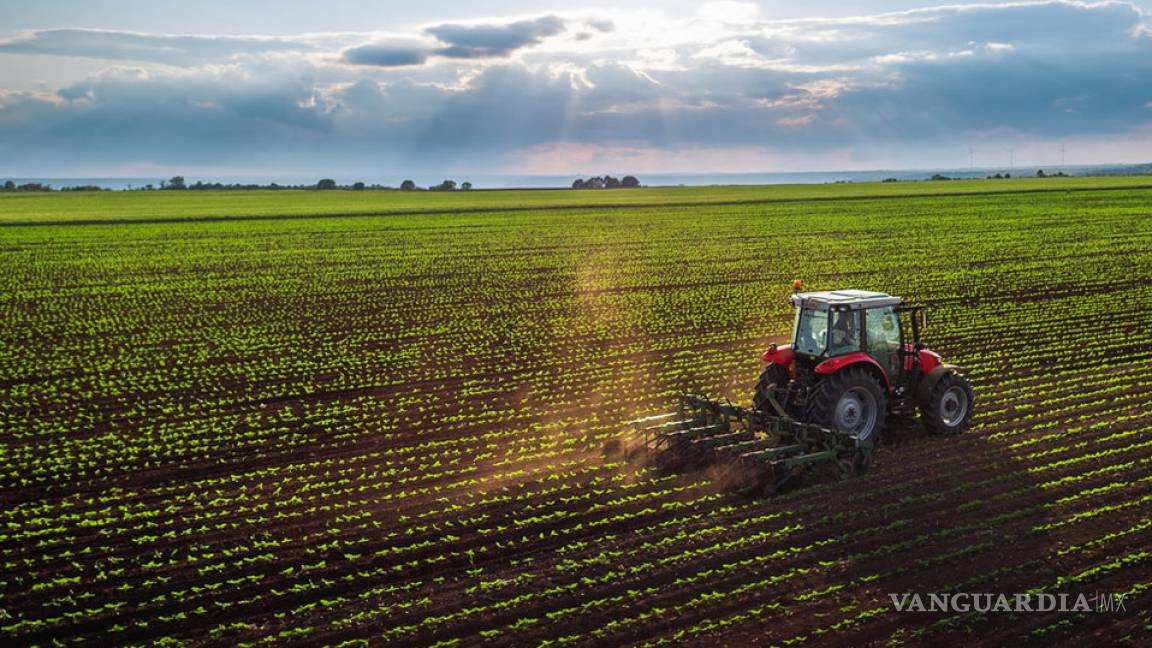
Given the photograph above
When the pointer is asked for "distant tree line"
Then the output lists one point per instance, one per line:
(999, 176)
(11, 186)
(177, 183)
(605, 182)
(447, 185)
(32, 187)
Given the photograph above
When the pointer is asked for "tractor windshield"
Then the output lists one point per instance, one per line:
(811, 332)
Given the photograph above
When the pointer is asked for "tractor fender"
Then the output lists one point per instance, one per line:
(832, 365)
(781, 355)
(929, 360)
(929, 380)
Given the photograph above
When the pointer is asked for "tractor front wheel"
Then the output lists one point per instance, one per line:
(850, 400)
(948, 408)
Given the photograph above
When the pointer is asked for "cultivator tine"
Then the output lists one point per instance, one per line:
(652, 419)
(703, 432)
(778, 476)
(672, 426)
(774, 453)
(744, 447)
(705, 405)
(718, 441)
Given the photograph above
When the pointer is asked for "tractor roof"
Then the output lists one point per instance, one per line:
(844, 299)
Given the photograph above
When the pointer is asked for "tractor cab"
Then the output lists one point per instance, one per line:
(837, 323)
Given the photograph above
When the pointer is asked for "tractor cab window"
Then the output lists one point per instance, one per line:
(884, 337)
(845, 336)
(811, 331)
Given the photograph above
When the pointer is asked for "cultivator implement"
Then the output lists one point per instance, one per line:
(755, 451)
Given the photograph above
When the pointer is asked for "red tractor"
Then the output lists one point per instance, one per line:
(823, 400)
(855, 357)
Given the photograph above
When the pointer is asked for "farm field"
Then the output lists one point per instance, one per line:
(381, 419)
(157, 206)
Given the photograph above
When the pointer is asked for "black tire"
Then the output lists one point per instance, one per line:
(949, 406)
(850, 400)
(773, 374)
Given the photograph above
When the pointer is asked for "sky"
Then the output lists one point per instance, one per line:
(375, 90)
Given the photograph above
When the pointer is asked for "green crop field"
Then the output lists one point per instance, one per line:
(208, 205)
(353, 418)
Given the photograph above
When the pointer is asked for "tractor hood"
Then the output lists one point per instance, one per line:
(779, 354)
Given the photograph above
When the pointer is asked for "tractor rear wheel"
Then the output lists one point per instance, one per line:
(774, 374)
(850, 400)
(948, 408)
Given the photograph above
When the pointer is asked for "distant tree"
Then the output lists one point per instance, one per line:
(177, 183)
(629, 181)
(9, 186)
(1040, 173)
(890, 180)
(594, 183)
(407, 185)
(610, 182)
(447, 185)
(940, 177)
(326, 183)
(466, 186)
(359, 186)
(578, 183)
(1007, 175)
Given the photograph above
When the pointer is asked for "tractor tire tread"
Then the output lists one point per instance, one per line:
(929, 409)
(821, 406)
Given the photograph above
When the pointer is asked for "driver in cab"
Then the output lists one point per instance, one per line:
(845, 334)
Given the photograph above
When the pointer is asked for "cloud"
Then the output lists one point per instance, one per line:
(254, 115)
(728, 11)
(388, 54)
(482, 41)
(158, 48)
(458, 41)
